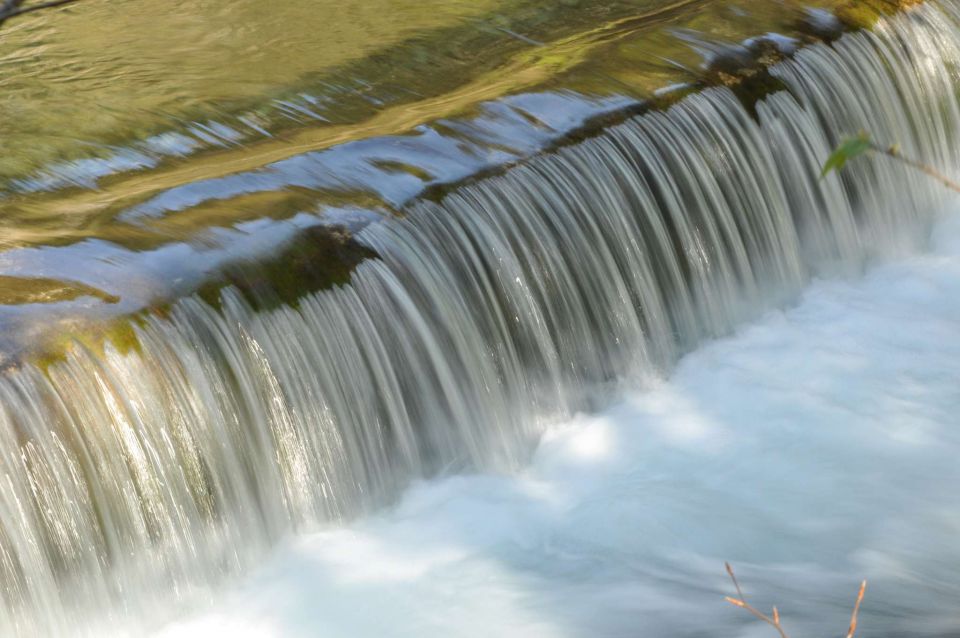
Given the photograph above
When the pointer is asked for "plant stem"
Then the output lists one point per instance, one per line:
(894, 152)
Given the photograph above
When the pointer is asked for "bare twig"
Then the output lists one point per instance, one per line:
(861, 143)
(741, 602)
(856, 610)
(734, 579)
(894, 152)
(774, 622)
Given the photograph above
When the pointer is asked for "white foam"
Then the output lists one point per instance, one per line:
(815, 447)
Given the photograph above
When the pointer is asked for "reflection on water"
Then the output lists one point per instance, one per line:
(216, 72)
(109, 72)
(143, 143)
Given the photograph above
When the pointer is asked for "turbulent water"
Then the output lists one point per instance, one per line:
(507, 304)
(813, 448)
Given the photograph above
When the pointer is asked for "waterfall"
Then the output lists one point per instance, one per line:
(510, 302)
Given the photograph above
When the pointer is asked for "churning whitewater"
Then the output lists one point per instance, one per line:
(511, 303)
(813, 448)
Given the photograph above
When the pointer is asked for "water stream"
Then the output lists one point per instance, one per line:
(813, 448)
(136, 478)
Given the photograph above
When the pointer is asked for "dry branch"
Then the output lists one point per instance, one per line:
(774, 621)
(741, 602)
(861, 144)
(894, 152)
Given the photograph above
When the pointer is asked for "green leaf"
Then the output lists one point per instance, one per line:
(848, 149)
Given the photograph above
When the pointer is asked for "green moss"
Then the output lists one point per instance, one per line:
(120, 333)
(33, 290)
(756, 88)
(320, 257)
(864, 14)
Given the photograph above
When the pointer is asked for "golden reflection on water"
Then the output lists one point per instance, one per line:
(305, 75)
(103, 71)
(528, 69)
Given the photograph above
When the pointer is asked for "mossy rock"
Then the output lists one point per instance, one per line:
(864, 14)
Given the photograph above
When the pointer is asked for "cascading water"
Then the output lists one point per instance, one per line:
(508, 303)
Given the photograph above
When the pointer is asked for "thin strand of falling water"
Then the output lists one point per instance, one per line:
(511, 302)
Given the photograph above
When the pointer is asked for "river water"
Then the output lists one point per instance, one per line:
(515, 318)
(815, 447)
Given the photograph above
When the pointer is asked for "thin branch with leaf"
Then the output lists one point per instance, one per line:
(774, 619)
(861, 144)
